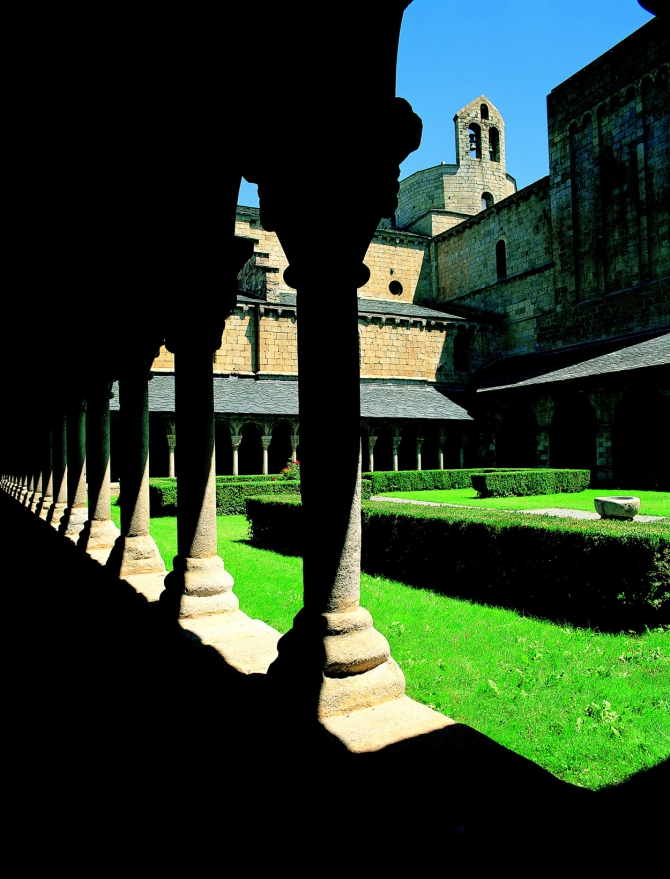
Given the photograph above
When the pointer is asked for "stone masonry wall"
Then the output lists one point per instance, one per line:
(397, 256)
(467, 274)
(609, 158)
(405, 349)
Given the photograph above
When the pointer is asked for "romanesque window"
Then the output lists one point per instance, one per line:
(501, 260)
(484, 111)
(494, 144)
(475, 136)
(487, 200)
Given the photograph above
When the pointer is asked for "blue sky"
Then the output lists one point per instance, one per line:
(514, 52)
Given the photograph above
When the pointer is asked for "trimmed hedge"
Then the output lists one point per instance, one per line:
(516, 483)
(418, 480)
(230, 496)
(591, 572)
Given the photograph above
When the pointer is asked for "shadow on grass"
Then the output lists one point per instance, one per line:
(142, 728)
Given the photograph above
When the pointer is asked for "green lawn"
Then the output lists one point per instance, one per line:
(652, 503)
(589, 707)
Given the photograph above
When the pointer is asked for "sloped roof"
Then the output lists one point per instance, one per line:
(370, 306)
(653, 352)
(247, 396)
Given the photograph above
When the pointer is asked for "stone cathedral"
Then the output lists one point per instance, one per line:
(498, 326)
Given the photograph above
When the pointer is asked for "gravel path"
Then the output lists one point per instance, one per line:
(551, 511)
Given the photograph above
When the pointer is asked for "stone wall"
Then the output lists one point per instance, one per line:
(467, 266)
(398, 257)
(610, 193)
(392, 348)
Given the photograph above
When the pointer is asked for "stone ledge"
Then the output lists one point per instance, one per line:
(371, 729)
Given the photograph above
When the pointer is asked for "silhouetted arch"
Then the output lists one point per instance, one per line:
(487, 200)
(572, 439)
(516, 440)
(250, 456)
(407, 448)
(224, 449)
(475, 139)
(640, 425)
(494, 144)
(279, 451)
(384, 448)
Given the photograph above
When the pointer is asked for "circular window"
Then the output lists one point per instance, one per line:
(395, 287)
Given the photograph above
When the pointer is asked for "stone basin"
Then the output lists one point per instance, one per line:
(617, 507)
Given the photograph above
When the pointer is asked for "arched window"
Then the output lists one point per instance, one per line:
(475, 136)
(487, 200)
(462, 351)
(494, 144)
(484, 111)
(501, 260)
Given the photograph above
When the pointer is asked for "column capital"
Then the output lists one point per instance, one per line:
(266, 440)
(172, 441)
(235, 439)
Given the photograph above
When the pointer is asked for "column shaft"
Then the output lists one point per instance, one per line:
(135, 551)
(47, 477)
(199, 584)
(100, 533)
(75, 514)
(59, 458)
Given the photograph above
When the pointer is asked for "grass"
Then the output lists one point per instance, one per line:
(652, 503)
(591, 708)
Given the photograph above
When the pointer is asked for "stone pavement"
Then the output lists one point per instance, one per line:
(550, 511)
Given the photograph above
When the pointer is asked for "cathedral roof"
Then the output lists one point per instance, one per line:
(652, 352)
(248, 396)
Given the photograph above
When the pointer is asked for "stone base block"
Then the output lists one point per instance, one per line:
(248, 645)
(72, 522)
(354, 692)
(374, 728)
(151, 586)
(55, 514)
(97, 538)
(133, 556)
(44, 507)
(200, 587)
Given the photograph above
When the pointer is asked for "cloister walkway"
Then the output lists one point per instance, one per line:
(119, 728)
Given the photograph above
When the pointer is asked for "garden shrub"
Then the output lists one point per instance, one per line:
(418, 480)
(230, 496)
(592, 572)
(515, 483)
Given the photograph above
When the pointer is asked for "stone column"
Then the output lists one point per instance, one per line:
(36, 496)
(135, 556)
(47, 477)
(396, 444)
(199, 584)
(294, 447)
(99, 533)
(265, 440)
(172, 445)
(605, 471)
(76, 514)
(543, 447)
(461, 458)
(371, 453)
(59, 459)
(419, 444)
(332, 660)
(440, 450)
(27, 490)
(235, 440)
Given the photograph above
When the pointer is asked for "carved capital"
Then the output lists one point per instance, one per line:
(235, 439)
(266, 440)
(172, 442)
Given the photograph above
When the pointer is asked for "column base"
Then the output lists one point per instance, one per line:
(337, 667)
(44, 507)
(334, 663)
(55, 513)
(199, 587)
(133, 556)
(248, 645)
(34, 503)
(72, 522)
(97, 538)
